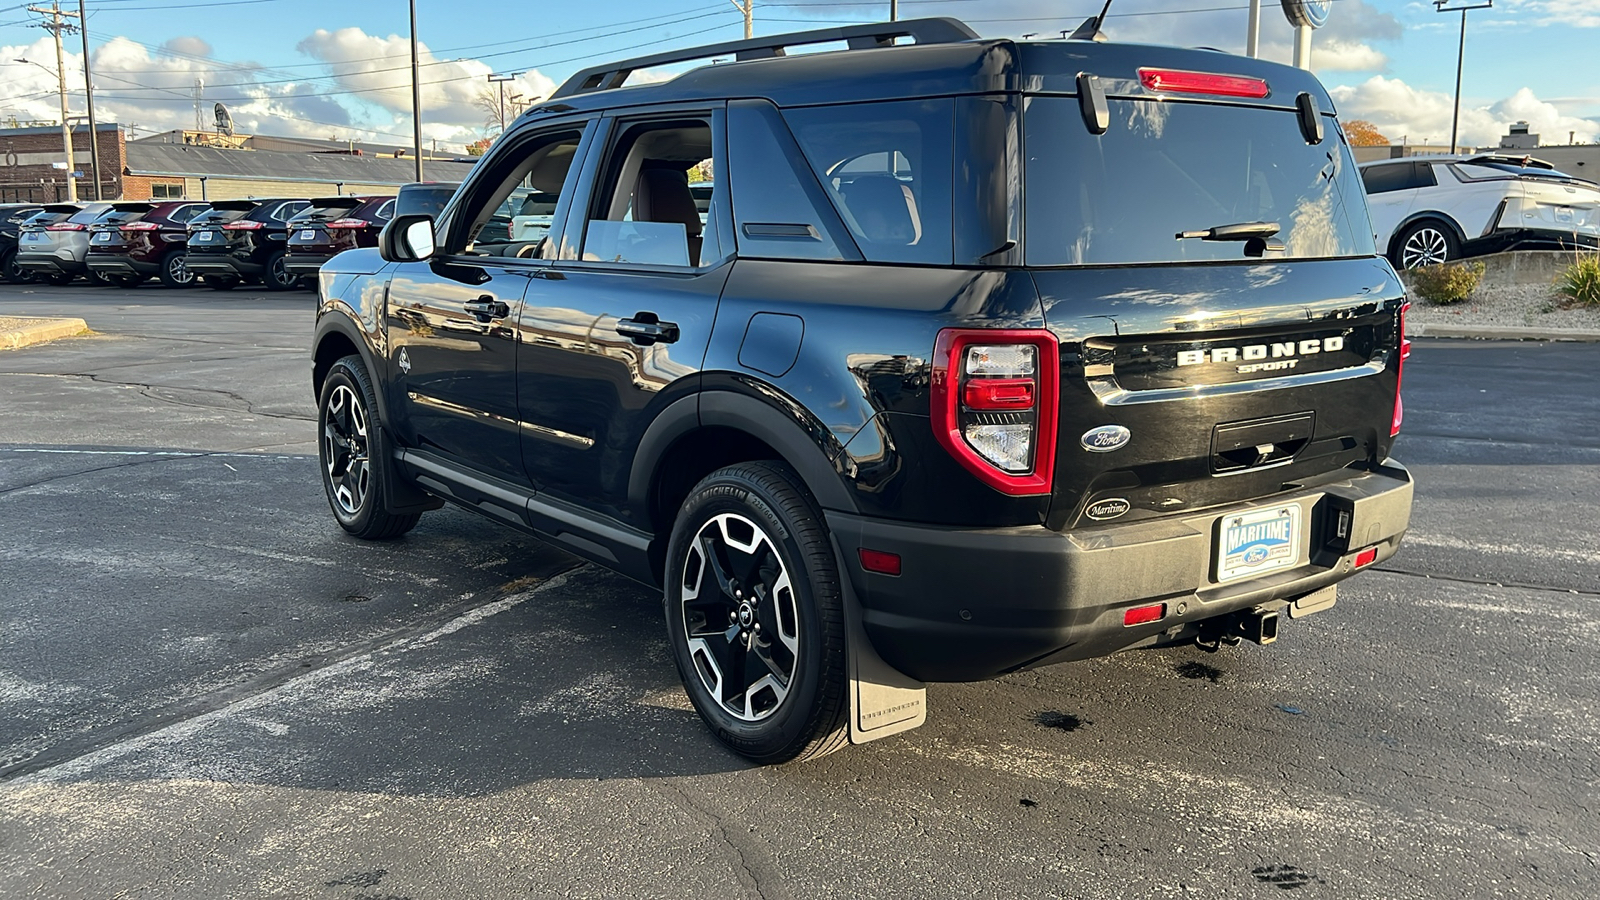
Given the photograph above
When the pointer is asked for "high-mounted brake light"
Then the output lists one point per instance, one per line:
(349, 223)
(1400, 371)
(140, 226)
(243, 226)
(995, 393)
(66, 226)
(1179, 81)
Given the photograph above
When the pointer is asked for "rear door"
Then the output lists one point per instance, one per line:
(452, 319)
(1391, 191)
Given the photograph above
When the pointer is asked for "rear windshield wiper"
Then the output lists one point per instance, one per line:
(1257, 236)
(1240, 231)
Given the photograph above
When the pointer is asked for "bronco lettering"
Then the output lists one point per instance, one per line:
(1261, 351)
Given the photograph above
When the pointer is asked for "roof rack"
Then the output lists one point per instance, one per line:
(940, 30)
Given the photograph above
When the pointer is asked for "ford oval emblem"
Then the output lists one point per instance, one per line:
(1109, 508)
(1106, 438)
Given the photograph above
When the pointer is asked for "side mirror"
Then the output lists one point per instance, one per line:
(407, 239)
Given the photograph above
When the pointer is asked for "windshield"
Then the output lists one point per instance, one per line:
(1166, 167)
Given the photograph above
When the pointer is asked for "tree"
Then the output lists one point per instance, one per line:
(493, 113)
(479, 146)
(1364, 134)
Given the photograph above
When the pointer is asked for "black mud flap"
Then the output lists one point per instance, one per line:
(883, 700)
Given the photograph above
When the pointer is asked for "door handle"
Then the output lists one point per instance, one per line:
(646, 328)
(486, 307)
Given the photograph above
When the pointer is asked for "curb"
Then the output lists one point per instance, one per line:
(1500, 332)
(37, 331)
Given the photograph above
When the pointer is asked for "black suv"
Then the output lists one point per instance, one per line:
(984, 355)
(12, 215)
(243, 241)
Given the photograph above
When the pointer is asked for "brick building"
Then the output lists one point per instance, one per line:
(159, 170)
(29, 157)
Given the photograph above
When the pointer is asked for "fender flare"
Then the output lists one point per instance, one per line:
(334, 321)
(761, 420)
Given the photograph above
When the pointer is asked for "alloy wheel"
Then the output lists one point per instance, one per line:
(345, 448)
(1425, 247)
(740, 617)
(178, 270)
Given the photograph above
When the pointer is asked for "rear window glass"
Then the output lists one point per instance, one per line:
(1168, 167)
(331, 208)
(887, 168)
(215, 216)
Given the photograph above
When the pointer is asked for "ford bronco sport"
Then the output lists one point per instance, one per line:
(983, 355)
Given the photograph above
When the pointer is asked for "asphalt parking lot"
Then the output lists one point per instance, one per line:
(207, 690)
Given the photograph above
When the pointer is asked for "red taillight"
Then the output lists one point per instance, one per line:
(243, 226)
(880, 561)
(140, 226)
(998, 393)
(1141, 615)
(1399, 373)
(995, 393)
(66, 226)
(349, 223)
(1182, 82)
(1365, 557)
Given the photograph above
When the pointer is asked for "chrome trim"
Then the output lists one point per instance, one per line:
(484, 416)
(1107, 391)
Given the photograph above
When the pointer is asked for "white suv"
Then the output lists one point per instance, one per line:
(1427, 210)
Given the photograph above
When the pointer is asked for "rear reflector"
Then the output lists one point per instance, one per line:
(1183, 82)
(880, 561)
(1365, 557)
(1139, 615)
(1399, 373)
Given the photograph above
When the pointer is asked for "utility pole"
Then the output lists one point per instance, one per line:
(416, 95)
(1252, 34)
(56, 26)
(1461, 52)
(88, 91)
(894, 10)
(748, 7)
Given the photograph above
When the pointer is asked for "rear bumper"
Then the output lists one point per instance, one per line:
(122, 264)
(50, 263)
(973, 604)
(220, 264)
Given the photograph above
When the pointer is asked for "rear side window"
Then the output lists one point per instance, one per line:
(1167, 167)
(887, 169)
(1386, 178)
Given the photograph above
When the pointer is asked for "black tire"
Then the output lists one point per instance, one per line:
(99, 279)
(220, 282)
(13, 272)
(752, 535)
(59, 279)
(126, 281)
(1428, 242)
(276, 276)
(175, 271)
(353, 455)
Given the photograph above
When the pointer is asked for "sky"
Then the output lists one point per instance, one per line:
(339, 68)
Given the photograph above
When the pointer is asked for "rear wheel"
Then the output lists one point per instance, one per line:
(220, 282)
(354, 453)
(13, 272)
(277, 276)
(755, 614)
(1426, 243)
(175, 271)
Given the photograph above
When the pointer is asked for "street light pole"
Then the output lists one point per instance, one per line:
(1461, 52)
(416, 95)
(500, 81)
(88, 90)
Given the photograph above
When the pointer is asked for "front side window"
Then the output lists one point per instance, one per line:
(511, 212)
(1168, 167)
(656, 205)
(887, 169)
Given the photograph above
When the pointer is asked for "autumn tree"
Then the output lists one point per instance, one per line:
(1364, 134)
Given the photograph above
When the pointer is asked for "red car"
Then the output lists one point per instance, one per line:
(331, 226)
(137, 240)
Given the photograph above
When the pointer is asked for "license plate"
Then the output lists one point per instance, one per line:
(1564, 214)
(308, 234)
(103, 237)
(32, 238)
(204, 236)
(1258, 541)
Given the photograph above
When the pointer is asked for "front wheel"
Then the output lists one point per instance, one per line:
(755, 614)
(175, 271)
(1426, 243)
(220, 282)
(354, 455)
(277, 275)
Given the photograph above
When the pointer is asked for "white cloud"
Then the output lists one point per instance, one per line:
(1402, 111)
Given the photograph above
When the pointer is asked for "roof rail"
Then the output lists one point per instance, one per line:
(941, 30)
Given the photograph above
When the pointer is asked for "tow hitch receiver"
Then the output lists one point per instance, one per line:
(1260, 626)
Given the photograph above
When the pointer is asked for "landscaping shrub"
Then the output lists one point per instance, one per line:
(1580, 283)
(1447, 283)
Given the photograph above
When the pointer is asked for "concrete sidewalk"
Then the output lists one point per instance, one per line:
(20, 332)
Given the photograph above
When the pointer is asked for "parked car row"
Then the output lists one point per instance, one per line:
(280, 243)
